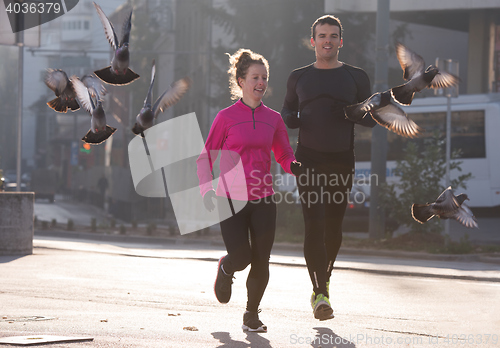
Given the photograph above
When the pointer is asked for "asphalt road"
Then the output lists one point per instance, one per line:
(142, 295)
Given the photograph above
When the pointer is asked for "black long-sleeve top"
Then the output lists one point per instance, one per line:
(319, 96)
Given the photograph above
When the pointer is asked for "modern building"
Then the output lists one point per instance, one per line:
(467, 32)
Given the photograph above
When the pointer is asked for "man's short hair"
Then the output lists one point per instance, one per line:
(326, 19)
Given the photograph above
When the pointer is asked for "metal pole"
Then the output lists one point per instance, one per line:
(448, 157)
(379, 134)
(206, 126)
(20, 43)
(450, 66)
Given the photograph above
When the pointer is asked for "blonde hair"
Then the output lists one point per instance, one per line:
(239, 62)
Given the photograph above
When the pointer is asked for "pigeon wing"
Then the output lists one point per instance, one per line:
(108, 27)
(447, 202)
(444, 79)
(465, 216)
(96, 88)
(127, 26)
(149, 96)
(171, 95)
(394, 119)
(356, 112)
(371, 103)
(82, 93)
(56, 80)
(411, 63)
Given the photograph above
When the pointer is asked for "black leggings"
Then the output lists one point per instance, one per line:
(323, 190)
(257, 219)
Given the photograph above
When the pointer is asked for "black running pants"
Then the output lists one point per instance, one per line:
(324, 192)
(249, 237)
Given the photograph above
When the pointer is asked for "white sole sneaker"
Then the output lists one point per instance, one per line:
(259, 329)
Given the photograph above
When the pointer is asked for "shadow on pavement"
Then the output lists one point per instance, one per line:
(10, 258)
(326, 338)
(255, 340)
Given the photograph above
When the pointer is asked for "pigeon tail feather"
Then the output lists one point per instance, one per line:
(421, 212)
(99, 137)
(113, 79)
(56, 105)
(402, 94)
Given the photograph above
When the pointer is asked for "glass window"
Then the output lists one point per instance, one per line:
(467, 134)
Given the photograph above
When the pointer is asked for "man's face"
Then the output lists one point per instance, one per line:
(327, 41)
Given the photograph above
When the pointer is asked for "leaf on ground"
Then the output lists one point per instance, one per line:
(190, 328)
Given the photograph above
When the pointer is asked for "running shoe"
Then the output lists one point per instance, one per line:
(321, 308)
(313, 296)
(252, 323)
(222, 286)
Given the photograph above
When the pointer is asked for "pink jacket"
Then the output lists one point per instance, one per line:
(246, 138)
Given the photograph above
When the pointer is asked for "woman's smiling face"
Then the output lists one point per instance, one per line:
(254, 85)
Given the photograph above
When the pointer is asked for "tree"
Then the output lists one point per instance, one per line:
(421, 173)
(276, 29)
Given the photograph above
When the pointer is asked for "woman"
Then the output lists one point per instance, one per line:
(245, 133)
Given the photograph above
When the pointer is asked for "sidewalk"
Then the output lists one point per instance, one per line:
(467, 267)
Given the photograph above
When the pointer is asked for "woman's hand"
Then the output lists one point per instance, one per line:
(296, 168)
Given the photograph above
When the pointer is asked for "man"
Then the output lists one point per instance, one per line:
(314, 102)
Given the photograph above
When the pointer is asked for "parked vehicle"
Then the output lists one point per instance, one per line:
(9, 179)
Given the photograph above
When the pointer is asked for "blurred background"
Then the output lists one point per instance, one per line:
(190, 38)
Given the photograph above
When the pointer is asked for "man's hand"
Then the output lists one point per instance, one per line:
(296, 168)
(207, 200)
(290, 118)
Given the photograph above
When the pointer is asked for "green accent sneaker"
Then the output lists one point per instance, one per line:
(313, 296)
(322, 309)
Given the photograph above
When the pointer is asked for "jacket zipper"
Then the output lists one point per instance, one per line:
(253, 117)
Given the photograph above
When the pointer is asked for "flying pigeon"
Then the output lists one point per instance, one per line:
(118, 73)
(413, 66)
(99, 130)
(148, 113)
(446, 206)
(385, 112)
(57, 80)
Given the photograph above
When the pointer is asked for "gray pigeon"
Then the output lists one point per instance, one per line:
(385, 112)
(57, 80)
(118, 73)
(99, 130)
(413, 71)
(446, 206)
(149, 113)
